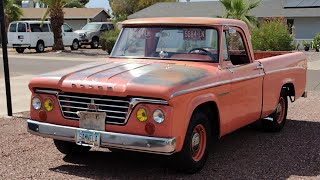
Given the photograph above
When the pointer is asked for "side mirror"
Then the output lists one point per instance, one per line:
(71, 30)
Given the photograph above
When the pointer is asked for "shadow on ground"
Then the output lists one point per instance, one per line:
(245, 154)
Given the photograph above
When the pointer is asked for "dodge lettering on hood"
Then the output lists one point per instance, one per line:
(170, 86)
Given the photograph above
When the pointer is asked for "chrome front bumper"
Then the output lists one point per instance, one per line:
(155, 145)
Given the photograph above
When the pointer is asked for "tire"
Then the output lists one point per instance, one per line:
(94, 43)
(40, 47)
(194, 153)
(20, 50)
(75, 45)
(69, 148)
(276, 121)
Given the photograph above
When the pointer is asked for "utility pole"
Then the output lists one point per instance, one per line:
(5, 58)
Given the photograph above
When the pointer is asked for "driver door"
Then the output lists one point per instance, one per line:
(246, 78)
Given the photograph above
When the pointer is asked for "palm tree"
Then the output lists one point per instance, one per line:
(55, 10)
(12, 12)
(240, 9)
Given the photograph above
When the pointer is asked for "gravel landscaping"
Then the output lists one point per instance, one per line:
(293, 153)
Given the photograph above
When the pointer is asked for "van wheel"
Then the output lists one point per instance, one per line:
(69, 148)
(40, 47)
(20, 50)
(75, 45)
(95, 43)
(194, 153)
(276, 121)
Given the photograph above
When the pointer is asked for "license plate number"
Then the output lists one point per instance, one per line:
(87, 138)
(92, 120)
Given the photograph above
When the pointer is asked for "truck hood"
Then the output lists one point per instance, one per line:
(81, 31)
(126, 78)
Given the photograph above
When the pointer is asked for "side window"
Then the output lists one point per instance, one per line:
(45, 28)
(111, 27)
(22, 27)
(67, 28)
(237, 52)
(35, 28)
(104, 27)
(13, 27)
(225, 47)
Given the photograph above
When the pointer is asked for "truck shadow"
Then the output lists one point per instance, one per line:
(244, 154)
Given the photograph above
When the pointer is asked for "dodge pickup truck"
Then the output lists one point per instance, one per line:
(171, 86)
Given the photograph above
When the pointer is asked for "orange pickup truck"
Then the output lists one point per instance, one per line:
(170, 86)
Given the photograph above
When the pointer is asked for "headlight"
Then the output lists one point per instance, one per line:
(48, 105)
(36, 103)
(158, 116)
(142, 115)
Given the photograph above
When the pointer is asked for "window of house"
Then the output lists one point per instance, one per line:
(234, 48)
(22, 27)
(290, 23)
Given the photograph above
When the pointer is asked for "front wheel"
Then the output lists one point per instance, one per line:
(69, 148)
(276, 121)
(75, 45)
(40, 47)
(194, 153)
(95, 43)
(20, 50)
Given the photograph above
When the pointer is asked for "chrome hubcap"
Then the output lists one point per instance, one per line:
(75, 45)
(40, 47)
(195, 141)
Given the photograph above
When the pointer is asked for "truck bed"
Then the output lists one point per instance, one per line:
(265, 54)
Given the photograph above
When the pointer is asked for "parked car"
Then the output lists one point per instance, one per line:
(90, 33)
(30, 34)
(170, 86)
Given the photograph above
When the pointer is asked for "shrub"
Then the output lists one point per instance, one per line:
(272, 35)
(108, 39)
(316, 41)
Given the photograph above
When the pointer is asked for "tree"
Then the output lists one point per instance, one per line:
(12, 11)
(76, 3)
(55, 10)
(240, 9)
(123, 8)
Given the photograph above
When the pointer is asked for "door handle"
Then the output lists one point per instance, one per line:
(260, 66)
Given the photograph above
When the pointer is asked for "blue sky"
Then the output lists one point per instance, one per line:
(105, 3)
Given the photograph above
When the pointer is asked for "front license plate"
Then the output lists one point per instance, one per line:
(87, 138)
(92, 120)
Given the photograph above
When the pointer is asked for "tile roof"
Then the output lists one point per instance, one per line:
(69, 13)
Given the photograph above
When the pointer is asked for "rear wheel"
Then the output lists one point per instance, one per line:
(194, 153)
(20, 50)
(40, 47)
(95, 43)
(75, 45)
(69, 148)
(276, 121)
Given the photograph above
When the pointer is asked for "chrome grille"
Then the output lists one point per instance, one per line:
(115, 107)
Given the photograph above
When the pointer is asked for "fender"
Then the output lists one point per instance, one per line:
(195, 102)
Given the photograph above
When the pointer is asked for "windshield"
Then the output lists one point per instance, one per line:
(176, 43)
(91, 27)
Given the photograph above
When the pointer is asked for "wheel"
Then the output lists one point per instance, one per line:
(276, 121)
(75, 45)
(95, 43)
(20, 50)
(69, 148)
(40, 47)
(194, 153)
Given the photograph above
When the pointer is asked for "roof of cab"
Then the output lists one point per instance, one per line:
(185, 20)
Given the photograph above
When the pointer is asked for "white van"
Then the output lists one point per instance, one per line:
(30, 34)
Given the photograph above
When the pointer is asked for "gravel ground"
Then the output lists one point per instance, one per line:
(245, 154)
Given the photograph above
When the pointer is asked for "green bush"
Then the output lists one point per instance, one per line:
(108, 39)
(316, 41)
(272, 35)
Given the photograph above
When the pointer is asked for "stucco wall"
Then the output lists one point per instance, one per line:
(306, 28)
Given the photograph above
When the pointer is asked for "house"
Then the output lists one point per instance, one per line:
(75, 17)
(302, 15)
